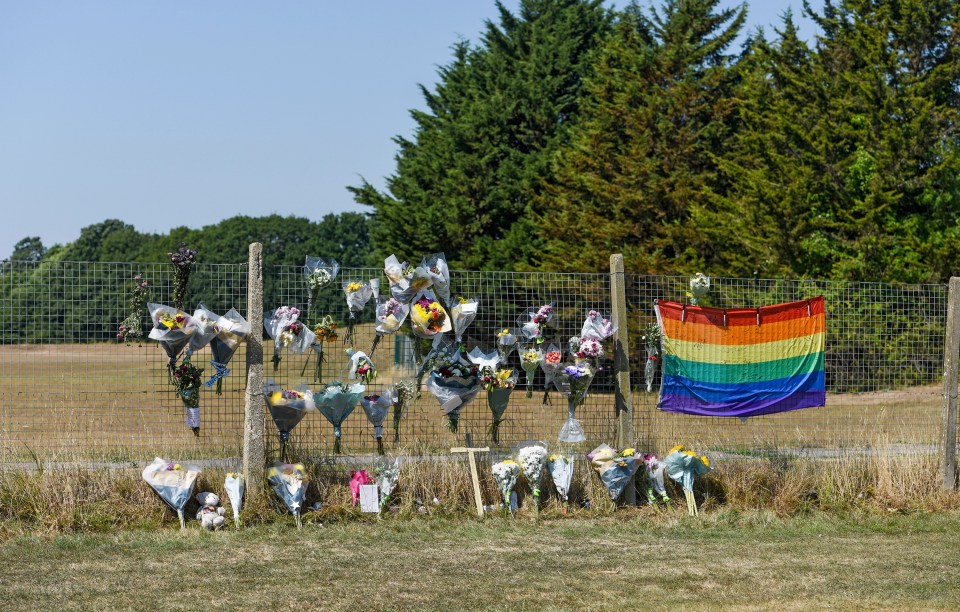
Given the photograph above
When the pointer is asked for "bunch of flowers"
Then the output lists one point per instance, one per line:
(358, 293)
(318, 273)
(131, 329)
(499, 385)
(616, 468)
(182, 259)
(287, 332)
(376, 407)
(506, 342)
(699, 286)
(530, 360)
(287, 408)
(428, 316)
(551, 362)
(234, 485)
(361, 368)
(683, 466)
(654, 470)
(532, 459)
(173, 483)
(454, 385)
(172, 329)
(597, 326)
(505, 474)
(586, 348)
(561, 471)
(232, 329)
(390, 316)
(324, 331)
(404, 392)
(400, 276)
(436, 267)
(206, 321)
(533, 323)
(573, 380)
(463, 313)
(289, 482)
(387, 473)
(186, 379)
(336, 402)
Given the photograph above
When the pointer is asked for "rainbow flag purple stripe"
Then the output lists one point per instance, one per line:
(742, 362)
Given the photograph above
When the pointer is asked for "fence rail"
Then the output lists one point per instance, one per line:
(70, 391)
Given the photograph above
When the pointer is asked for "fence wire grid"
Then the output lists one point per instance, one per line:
(69, 390)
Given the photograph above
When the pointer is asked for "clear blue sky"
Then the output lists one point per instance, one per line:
(164, 114)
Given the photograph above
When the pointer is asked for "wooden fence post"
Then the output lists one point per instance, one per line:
(951, 364)
(254, 453)
(621, 363)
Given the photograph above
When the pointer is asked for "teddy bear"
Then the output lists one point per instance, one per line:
(211, 512)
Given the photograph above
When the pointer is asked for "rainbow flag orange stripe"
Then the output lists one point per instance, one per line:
(742, 361)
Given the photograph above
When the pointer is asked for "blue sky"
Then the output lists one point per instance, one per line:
(164, 114)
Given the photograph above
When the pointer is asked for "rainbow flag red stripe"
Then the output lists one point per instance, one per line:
(742, 361)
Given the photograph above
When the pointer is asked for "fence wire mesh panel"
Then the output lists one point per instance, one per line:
(70, 390)
(883, 363)
(504, 299)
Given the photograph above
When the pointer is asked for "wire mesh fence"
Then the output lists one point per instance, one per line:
(70, 391)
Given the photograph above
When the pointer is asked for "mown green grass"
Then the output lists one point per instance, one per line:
(631, 560)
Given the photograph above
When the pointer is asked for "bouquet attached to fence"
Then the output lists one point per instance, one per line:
(172, 329)
(506, 342)
(361, 368)
(336, 402)
(387, 474)
(573, 380)
(616, 468)
(131, 328)
(499, 385)
(289, 482)
(699, 287)
(358, 294)
(464, 311)
(390, 316)
(324, 331)
(436, 267)
(530, 359)
(597, 326)
(533, 323)
(428, 317)
(532, 457)
(401, 278)
(232, 329)
(552, 358)
(182, 259)
(683, 466)
(319, 273)
(376, 408)
(483, 360)
(505, 474)
(187, 379)
(654, 470)
(561, 471)
(173, 483)
(284, 326)
(651, 339)
(585, 347)
(206, 322)
(287, 408)
(404, 392)
(234, 485)
(454, 385)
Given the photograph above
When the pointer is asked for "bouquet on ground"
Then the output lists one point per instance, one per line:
(186, 379)
(287, 408)
(234, 486)
(172, 329)
(654, 469)
(319, 273)
(533, 323)
(232, 329)
(361, 368)
(506, 342)
(358, 294)
(206, 322)
(387, 475)
(324, 331)
(454, 385)
(552, 358)
(505, 474)
(683, 466)
(336, 402)
(530, 359)
(289, 482)
(463, 313)
(532, 457)
(616, 468)
(573, 380)
(499, 385)
(561, 471)
(428, 317)
(436, 268)
(376, 408)
(404, 392)
(390, 316)
(173, 483)
(284, 326)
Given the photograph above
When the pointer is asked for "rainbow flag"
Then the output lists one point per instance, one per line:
(742, 362)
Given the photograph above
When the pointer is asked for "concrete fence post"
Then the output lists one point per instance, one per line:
(951, 364)
(623, 400)
(254, 452)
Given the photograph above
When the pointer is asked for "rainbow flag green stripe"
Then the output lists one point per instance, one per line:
(734, 373)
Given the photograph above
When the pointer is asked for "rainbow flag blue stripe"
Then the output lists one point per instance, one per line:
(742, 362)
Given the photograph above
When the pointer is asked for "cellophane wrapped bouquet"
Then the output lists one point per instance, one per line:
(683, 466)
(171, 329)
(387, 475)
(436, 267)
(506, 342)
(390, 316)
(287, 408)
(561, 471)
(428, 316)
(463, 312)
(361, 368)
(616, 468)
(401, 278)
(499, 385)
(532, 457)
(324, 332)
(552, 358)
(289, 482)
(533, 323)
(318, 273)
(404, 392)
(187, 379)
(206, 322)
(531, 357)
(287, 331)
(235, 486)
(358, 293)
(573, 380)
(173, 483)
(505, 474)
(336, 401)
(454, 385)
(232, 329)
(376, 408)
(654, 468)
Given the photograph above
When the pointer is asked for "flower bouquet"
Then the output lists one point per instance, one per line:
(404, 392)
(324, 331)
(234, 486)
(454, 385)
(172, 329)
(287, 408)
(597, 326)
(550, 364)
(400, 276)
(182, 260)
(287, 331)
(699, 286)
(534, 321)
(573, 380)
(318, 273)
(499, 385)
(390, 316)
(463, 313)
(436, 267)
(387, 475)
(358, 294)
(654, 469)
(206, 322)
(506, 342)
(336, 402)
(585, 347)
(530, 360)
(532, 457)
(651, 338)
(131, 328)
(616, 468)
(561, 471)
(186, 379)
(483, 360)
(289, 482)
(683, 466)
(361, 368)
(505, 474)
(173, 483)
(376, 407)
(232, 329)
(428, 317)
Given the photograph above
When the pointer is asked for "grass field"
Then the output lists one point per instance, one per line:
(630, 561)
(113, 401)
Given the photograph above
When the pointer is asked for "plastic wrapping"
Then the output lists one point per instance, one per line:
(683, 466)
(505, 474)
(400, 276)
(289, 482)
(530, 359)
(206, 328)
(499, 385)
(319, 273)
(376, 408)
(463, 313)
(454, 386)
(336, 402)
(235, 487)
(439, 273)
(232, 329)
(428, 317)
(616, 469)
(361, 368)
(483, 360)
(534, 321)
(552, 358)
(172, 329)
(561, 471)
(573, 380)
(287, 408)
(284, 326)
(654, 468)
(388, 473)
(173, 483)
(597, 326)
